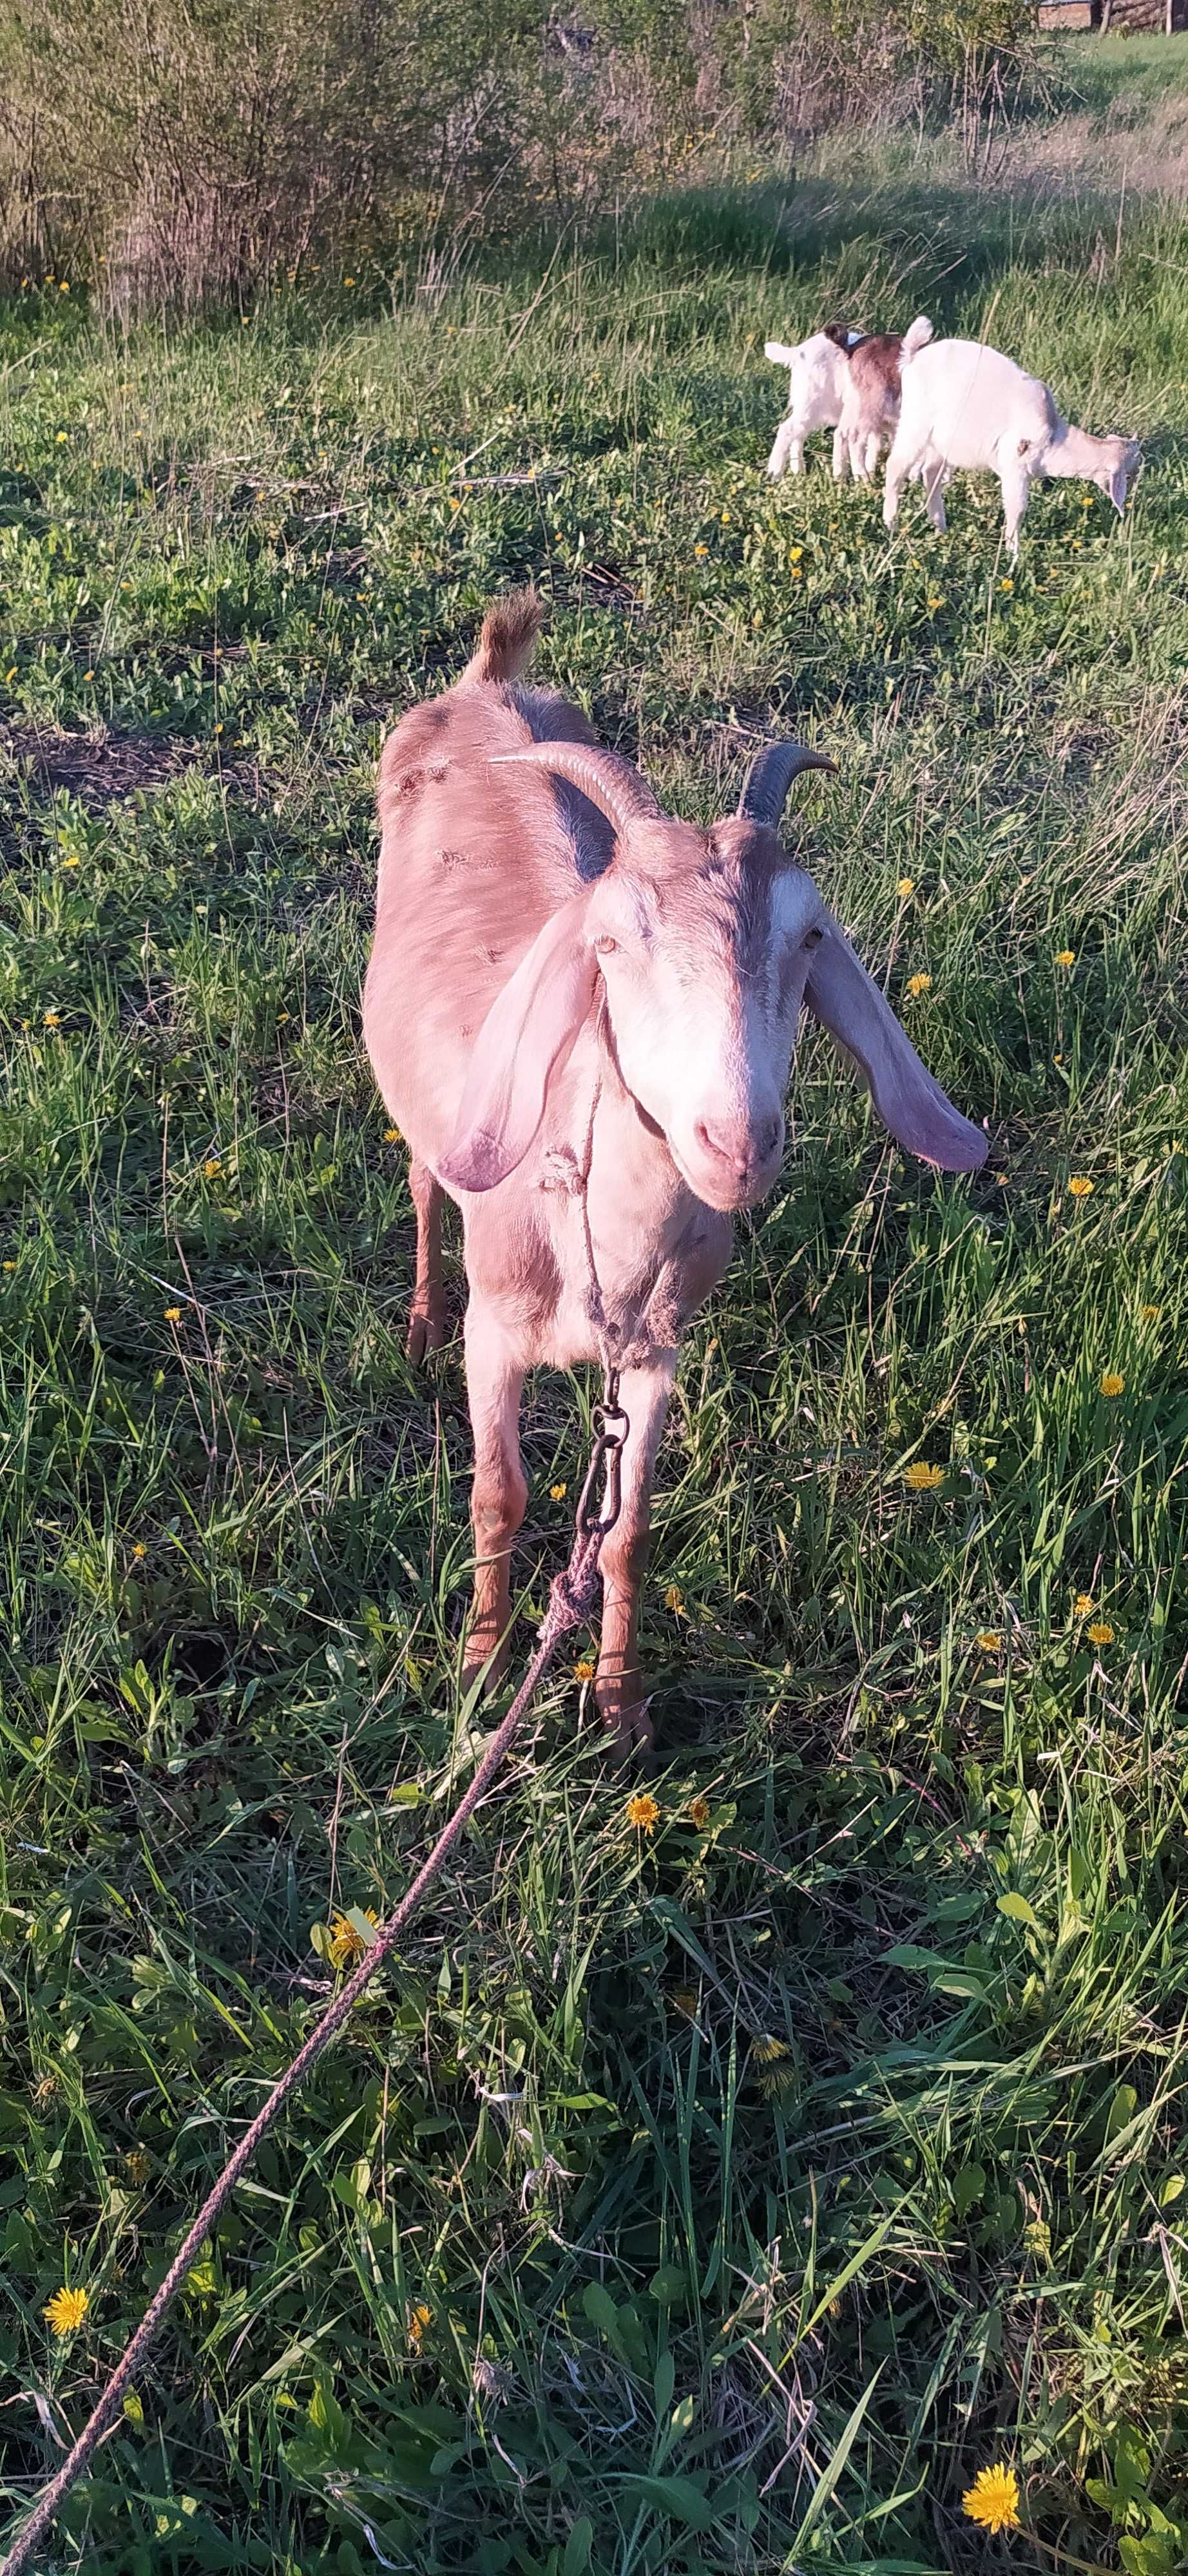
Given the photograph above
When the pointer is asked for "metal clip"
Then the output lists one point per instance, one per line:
(611, 1427)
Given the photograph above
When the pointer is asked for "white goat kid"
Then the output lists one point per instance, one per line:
(818, 374)
(967, 407)
(582, 1014)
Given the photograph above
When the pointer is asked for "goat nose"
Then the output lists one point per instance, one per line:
(741, 1149)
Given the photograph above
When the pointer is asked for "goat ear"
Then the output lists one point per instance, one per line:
(1115, 484)
(530, 1025)
(842, 995)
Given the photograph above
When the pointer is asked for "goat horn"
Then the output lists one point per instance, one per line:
(610, 782)
(765, 793)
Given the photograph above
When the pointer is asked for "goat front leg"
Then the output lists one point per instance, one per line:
(618, 1691)
(1016, 493)
(499, 1496)
(426, 1315)
(841, 454)
(787, 456)
(902, 463)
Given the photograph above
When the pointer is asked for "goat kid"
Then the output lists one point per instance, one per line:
(582, 1012)
(870, 391)
(966, 406)
(816, 392)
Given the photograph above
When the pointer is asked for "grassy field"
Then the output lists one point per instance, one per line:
(724, 2200)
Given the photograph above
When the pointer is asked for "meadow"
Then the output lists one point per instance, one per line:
(724, 2198)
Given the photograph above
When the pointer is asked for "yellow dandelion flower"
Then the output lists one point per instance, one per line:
(936, 603)
(420, 2318)
(699, 1813)
(52, 1020)
(674, 1600)
(1087, 502)
(767, 2048)
(212, 1168)
(173, 1314)
(923, 1479)
(1100, 1633)
(347, 1944)
(685, 2001)
(1080, 1186)
(1112, 1383)
(1151, 1314)
(796, 575)
(1006, 583)
(989, 1640)
(66, 2310)
(794, 554)
(139, 1548)
(557, 1493)
(71, 859)
(392, 1135)
(905, 887)
(60, 440)
(642, 1812)
(10, 1265)
(583, 1671)
(725, 515)
(88, 675)
(348, 281)
(919, 984)
(1065, 957)
(701, 550)
(64, 288)
(1082, 1605)
(993, 2499)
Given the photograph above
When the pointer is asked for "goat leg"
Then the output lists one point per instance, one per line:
(426, 1315)
(499, 1496)
(618, 1690)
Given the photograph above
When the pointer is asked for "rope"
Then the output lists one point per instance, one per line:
(571, 1595)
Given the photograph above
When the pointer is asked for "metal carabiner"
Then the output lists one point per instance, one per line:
(611, 1426)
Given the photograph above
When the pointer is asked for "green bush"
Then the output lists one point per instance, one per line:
(186, 155)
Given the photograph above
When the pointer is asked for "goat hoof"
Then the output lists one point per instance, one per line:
(491, 1670)
(425, 1333)
(627, 1720)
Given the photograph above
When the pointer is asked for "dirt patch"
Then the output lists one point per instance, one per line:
(103, 768)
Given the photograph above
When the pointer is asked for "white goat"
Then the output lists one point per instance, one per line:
(817, 378)
(965, 406)
(583, 1014)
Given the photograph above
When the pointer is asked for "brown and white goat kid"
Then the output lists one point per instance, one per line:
(871, 388)
(570, 992)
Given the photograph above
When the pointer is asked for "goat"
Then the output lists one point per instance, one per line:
(816, 392)
(582, 1015)
(965, 405)
(870, 393)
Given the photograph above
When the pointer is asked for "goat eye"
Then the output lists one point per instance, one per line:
(606, 946)
(814, 938)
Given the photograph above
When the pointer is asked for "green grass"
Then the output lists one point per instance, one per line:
(1123, 78)
(695, 2305)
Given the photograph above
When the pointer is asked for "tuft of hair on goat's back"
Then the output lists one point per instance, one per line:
(508, 638)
